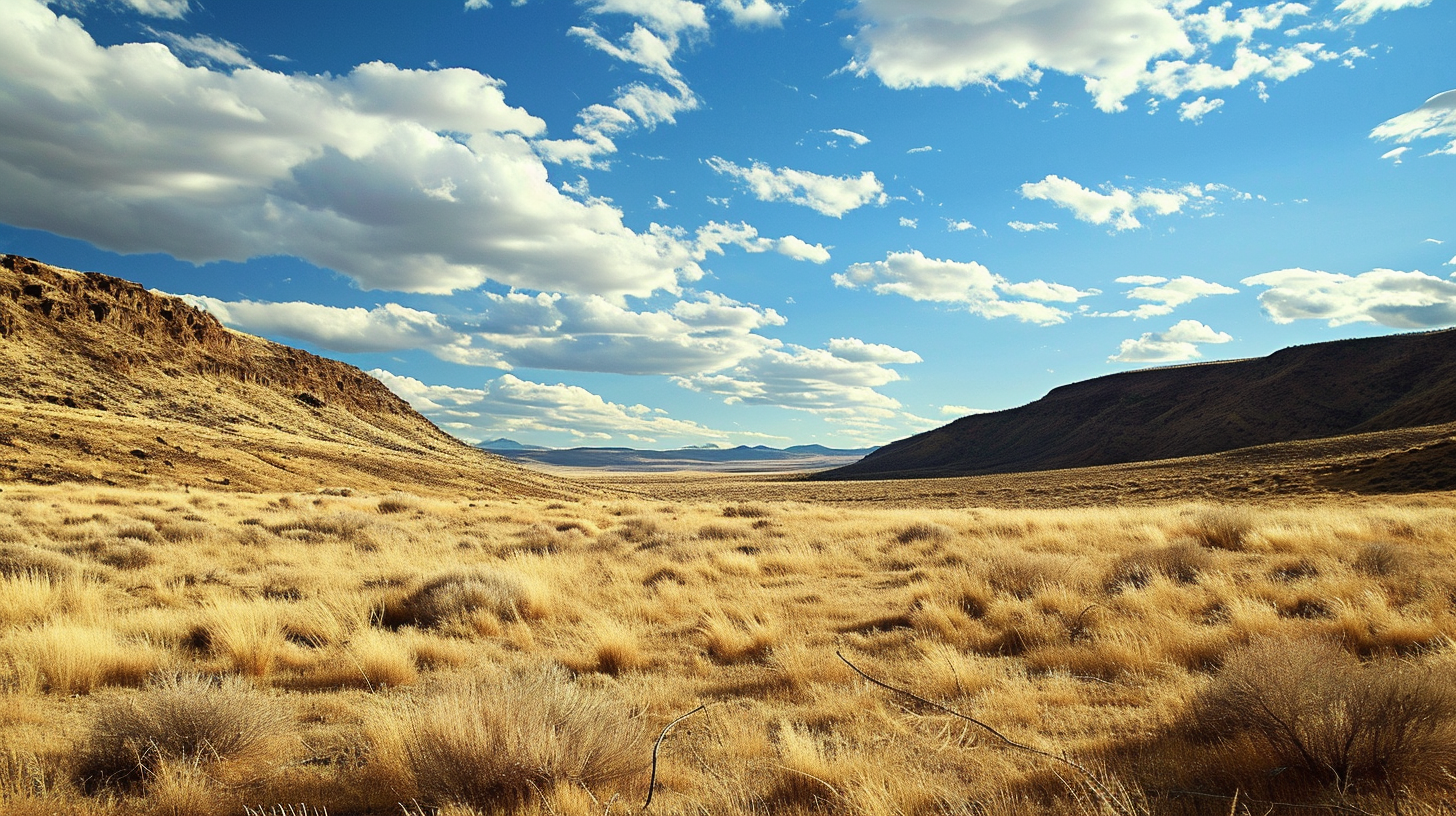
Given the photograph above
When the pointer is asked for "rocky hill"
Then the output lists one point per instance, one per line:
(1318, 391)
(103, 381)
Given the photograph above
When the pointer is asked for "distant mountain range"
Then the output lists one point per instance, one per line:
(742, 459)
(1301, 393)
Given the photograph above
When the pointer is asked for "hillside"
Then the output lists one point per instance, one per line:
(103, 381)
(1302, 393)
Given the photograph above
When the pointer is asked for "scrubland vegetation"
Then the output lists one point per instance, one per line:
(299, 654)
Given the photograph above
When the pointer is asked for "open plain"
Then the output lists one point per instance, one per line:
(204, 651)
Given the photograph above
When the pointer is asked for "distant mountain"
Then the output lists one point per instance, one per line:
(757, 458)
(503, 444)
(1300, 393)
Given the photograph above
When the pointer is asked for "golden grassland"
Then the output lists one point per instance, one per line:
(202, 652)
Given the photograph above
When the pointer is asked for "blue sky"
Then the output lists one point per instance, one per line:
(659, 223)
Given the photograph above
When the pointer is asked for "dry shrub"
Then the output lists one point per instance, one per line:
(341, 524)
(70, 659)
(456, 597)
(248, 635)
(922, 531)
(1223, 528)
(1381, 559)
(372, 660)
(18, 559)
(398, 503)
(643, 532)
(730, 641)
(235, 733)
(1183, 562)
(493, 744)
(720, 532)
(750, 511)
(809, 778)
(1309, 705)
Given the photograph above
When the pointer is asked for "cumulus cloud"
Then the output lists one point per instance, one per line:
(715, 235)
(666, 17)
(1436, 119)
(510, 405)
(958, 225)
(858, 351)
(967, 284)
(1195, 110)
(1361, 11)
(859, 139)
(909, 223)
(1402, 300)
(830, 195)
(1117, 47)
(1164, 295)
(1178, 343)
(1116, 205)
(705, 333)
(1024, 226)
(837, 384)
(750, 13)
(412, 180)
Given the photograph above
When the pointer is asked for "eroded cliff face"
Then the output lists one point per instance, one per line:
(119, 329)
(103, 380)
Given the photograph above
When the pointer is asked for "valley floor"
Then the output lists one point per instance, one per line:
(210, 652)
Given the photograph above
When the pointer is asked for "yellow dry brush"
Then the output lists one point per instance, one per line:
(221, 653)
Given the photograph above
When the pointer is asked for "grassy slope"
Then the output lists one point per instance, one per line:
(103, 381)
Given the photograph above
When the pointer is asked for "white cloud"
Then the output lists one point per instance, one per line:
(510, 405)
(830, 195)
(1436, 119)
(712, 237)
(858, 351)
(220, 52)
(706, 333)
(837, 384)
(912, 275)
(1116, 205)
(1165, 295)
(1194, 111)
(962, 410)
(412, 180)
(750, 13)
(922, 149)
(170, 9)
(859, 139)
(1361, 11)
(801, 250)
(1117, 47)
(911, 223)
(953, 225)
(666, 17)
(1178, 343)
(1402, 300)
(1395, 155)
(1023, 226)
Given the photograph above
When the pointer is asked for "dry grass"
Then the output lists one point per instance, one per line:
(489, 656)
(496, 744)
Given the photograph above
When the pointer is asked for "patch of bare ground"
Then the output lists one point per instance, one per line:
(211, 651)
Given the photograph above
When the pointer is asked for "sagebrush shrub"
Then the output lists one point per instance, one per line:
(224, 725)
(1311, 706)
(493, 744)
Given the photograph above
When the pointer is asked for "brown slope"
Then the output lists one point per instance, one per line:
(104, 381)
(1301, 393)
